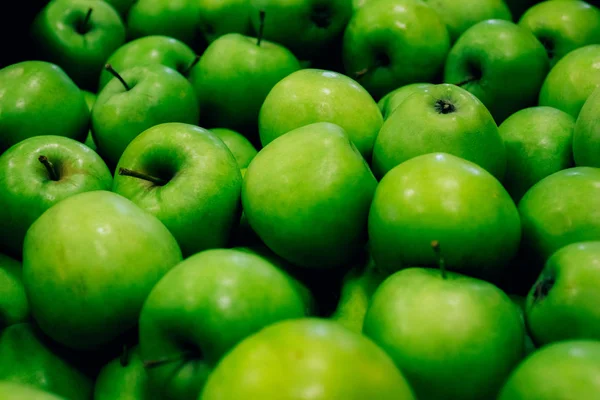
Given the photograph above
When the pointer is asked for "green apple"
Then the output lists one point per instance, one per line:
(39, 172)
(307, 196)
(443, 118)
(461, 15)
(27, 357)
(453, 336)
(97, 255)
(17, 391)
(240, 147)
(90, 100)
(234, 76)
(186, 177)
(391, 43)
(78, 35)
(563, 303)
(124, 378)
(138, 99)
(538, 143)
(390, 101)
(520, 302)
(561, 209)
(204, 307)
(122, 6)
(150, 50)
(307, 359)
(38, 98)
(14, 307)
(572, 80)
(306, 27)
(501, 63)
(565, 370)
(312, 95)
(586, 136)
(563, 26)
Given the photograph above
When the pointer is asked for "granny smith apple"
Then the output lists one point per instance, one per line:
(572, 80)
(39, 172)
(312, 95)
(564, 370)
(307, 196)
(17, 391)
(586, 136)
(391, 43)
(38, 98)
(442, 197)
(306, 27)
(443, 118)
(563, 303)
(234, 76)
(123, 378)
(520, 303)
(240, 147)
(561, 209)
(186, 177)
(98, 255)
(538, 143)
(563, 26)
(501, 63)
(390, 101)
(461, 15)
(307, 358)
(441, 329)
(78, 35)
(28, 357)
(14, 307)
(204, 307)
(138, 99)
(90, 100)
(122, 6)
(150, 50)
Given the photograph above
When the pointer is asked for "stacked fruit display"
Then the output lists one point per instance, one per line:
(302, 200)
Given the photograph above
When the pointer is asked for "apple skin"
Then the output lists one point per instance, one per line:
(27, 357)
(39, 98)
(313, 95)
(240, 147)
(563, 303)
(79, 254)
(235, 75)
(124, 378)
(27, 190)
(158, 94)
(503, 64)
(17, 391)
(392, 43)
(563, 26)
(564, 370)
(14, 307)
(90, 100)
(520, 302)
(539, 142)
(420, 125)
(289, 359)
(388, 103)
(81, 53)
(149, 50)
(586, 137)
(203, 307)
(307, 196)
(442, 197)
(561, 209)
(572, 80)
(440, 331)
(200, 203)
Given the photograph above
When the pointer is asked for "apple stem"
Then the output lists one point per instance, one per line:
(166, 360)
(110, 69)
(124, 359)
(86, 20)
(141, 175)
(468, 80)
(49, 167)
(187, 71)
(435, 245)
(261, 27)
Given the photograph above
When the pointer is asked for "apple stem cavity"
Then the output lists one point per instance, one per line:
(124, 359)
(83, 27)
(444, 107)
(166, 360)
(435, 245)
(542, 288)
(49, 167)
(187, 71)
(261, 27)
(110, 69)
(141, 175)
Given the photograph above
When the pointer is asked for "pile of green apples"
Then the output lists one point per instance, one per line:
(302, 200)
